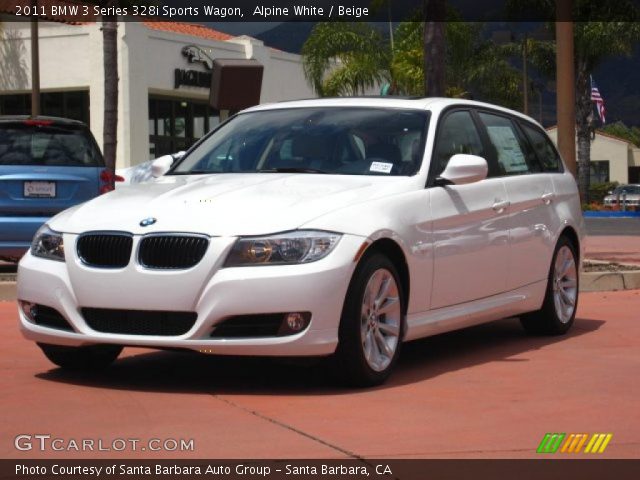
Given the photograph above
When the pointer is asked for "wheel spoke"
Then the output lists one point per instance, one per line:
(387, 305)
(376, 355)
(566, 298)
(567, 263)
(389, 329)
(382, 345)
(384, 289)
(368, 347)
(568, 283)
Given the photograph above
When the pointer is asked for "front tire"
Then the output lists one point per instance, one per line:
(89, 358)
(558, 310)
(371, 326)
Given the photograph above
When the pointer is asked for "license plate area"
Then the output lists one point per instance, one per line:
(39, 189)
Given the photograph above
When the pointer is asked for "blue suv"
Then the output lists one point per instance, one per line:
(46, 165)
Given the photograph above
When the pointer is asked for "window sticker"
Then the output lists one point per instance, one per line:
(509, 153)
(381, 167)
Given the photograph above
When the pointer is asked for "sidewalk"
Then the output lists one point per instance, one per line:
(621, 249)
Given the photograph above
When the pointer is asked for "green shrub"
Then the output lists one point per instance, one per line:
(597, 191)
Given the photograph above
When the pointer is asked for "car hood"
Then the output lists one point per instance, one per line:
(225, 204)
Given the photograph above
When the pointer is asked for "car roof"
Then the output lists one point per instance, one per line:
(55, 120)
(435, 104)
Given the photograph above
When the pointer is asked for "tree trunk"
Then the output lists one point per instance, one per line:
(110, 51)
(584, 108)
(434, 48)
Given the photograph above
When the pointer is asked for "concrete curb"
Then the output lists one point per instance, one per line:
(7, 291)
(609, 281)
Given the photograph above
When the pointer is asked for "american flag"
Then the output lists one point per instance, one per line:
(597, 98)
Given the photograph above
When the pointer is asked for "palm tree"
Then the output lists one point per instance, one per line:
(346, 59)
(595, 42)
(109, 29)
(110, 54)
(434, 50)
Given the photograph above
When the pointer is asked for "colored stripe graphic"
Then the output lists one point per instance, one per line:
(573, 443)
(550, 443)
(598, 443)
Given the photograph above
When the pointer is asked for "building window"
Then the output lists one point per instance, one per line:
(176, 124)
(73, 105)
(599, 171)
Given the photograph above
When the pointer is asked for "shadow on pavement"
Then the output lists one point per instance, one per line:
(187, 372)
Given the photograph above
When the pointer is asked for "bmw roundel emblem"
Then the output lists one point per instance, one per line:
(147, 221)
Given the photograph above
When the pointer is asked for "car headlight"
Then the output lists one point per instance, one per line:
(48, 244)
(300, 246)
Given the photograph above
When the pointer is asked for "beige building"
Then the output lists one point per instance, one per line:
(164, 70)
(613, 159)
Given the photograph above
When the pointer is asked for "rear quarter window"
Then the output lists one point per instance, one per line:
(48, 145)
(544, 149)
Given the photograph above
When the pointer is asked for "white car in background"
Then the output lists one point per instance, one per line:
(629, 195)
(323, 227)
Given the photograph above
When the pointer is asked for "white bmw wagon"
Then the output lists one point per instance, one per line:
(339, 227)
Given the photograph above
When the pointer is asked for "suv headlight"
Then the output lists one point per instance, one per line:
(48, 244)
(300, 246)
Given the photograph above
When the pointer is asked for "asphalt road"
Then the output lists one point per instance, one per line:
(485, 392)
(613, 226)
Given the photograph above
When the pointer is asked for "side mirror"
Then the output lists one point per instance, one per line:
(161, 165)
(463, 169)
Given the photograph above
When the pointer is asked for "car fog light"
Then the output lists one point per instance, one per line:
(296, 321)
(28, 308)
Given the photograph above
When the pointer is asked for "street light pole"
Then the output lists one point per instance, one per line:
(35, 65)
(525, 79)
(565, 81)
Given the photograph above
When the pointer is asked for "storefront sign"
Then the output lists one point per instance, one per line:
(194, 78)
(191, 78)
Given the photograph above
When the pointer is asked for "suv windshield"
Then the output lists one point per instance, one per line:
(336, 140)
(22, 143)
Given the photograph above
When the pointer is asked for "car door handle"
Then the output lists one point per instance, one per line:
(547, 198)
(500, 206)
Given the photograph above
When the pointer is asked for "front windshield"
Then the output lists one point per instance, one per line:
(628, 189)
(348, 141)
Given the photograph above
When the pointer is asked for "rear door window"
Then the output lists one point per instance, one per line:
(512, 151)
(48, 145)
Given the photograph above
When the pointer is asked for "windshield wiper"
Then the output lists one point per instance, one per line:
(291, 170)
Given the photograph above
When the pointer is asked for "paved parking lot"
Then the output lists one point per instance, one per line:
(489, 391)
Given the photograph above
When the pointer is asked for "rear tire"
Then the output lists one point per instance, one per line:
(90, 358)
(372, 323)
(561, 299)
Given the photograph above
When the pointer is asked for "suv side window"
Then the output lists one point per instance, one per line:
(457, 134)
(545, 151)
(512, 151)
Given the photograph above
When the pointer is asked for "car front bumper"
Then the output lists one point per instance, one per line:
(213, 292)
